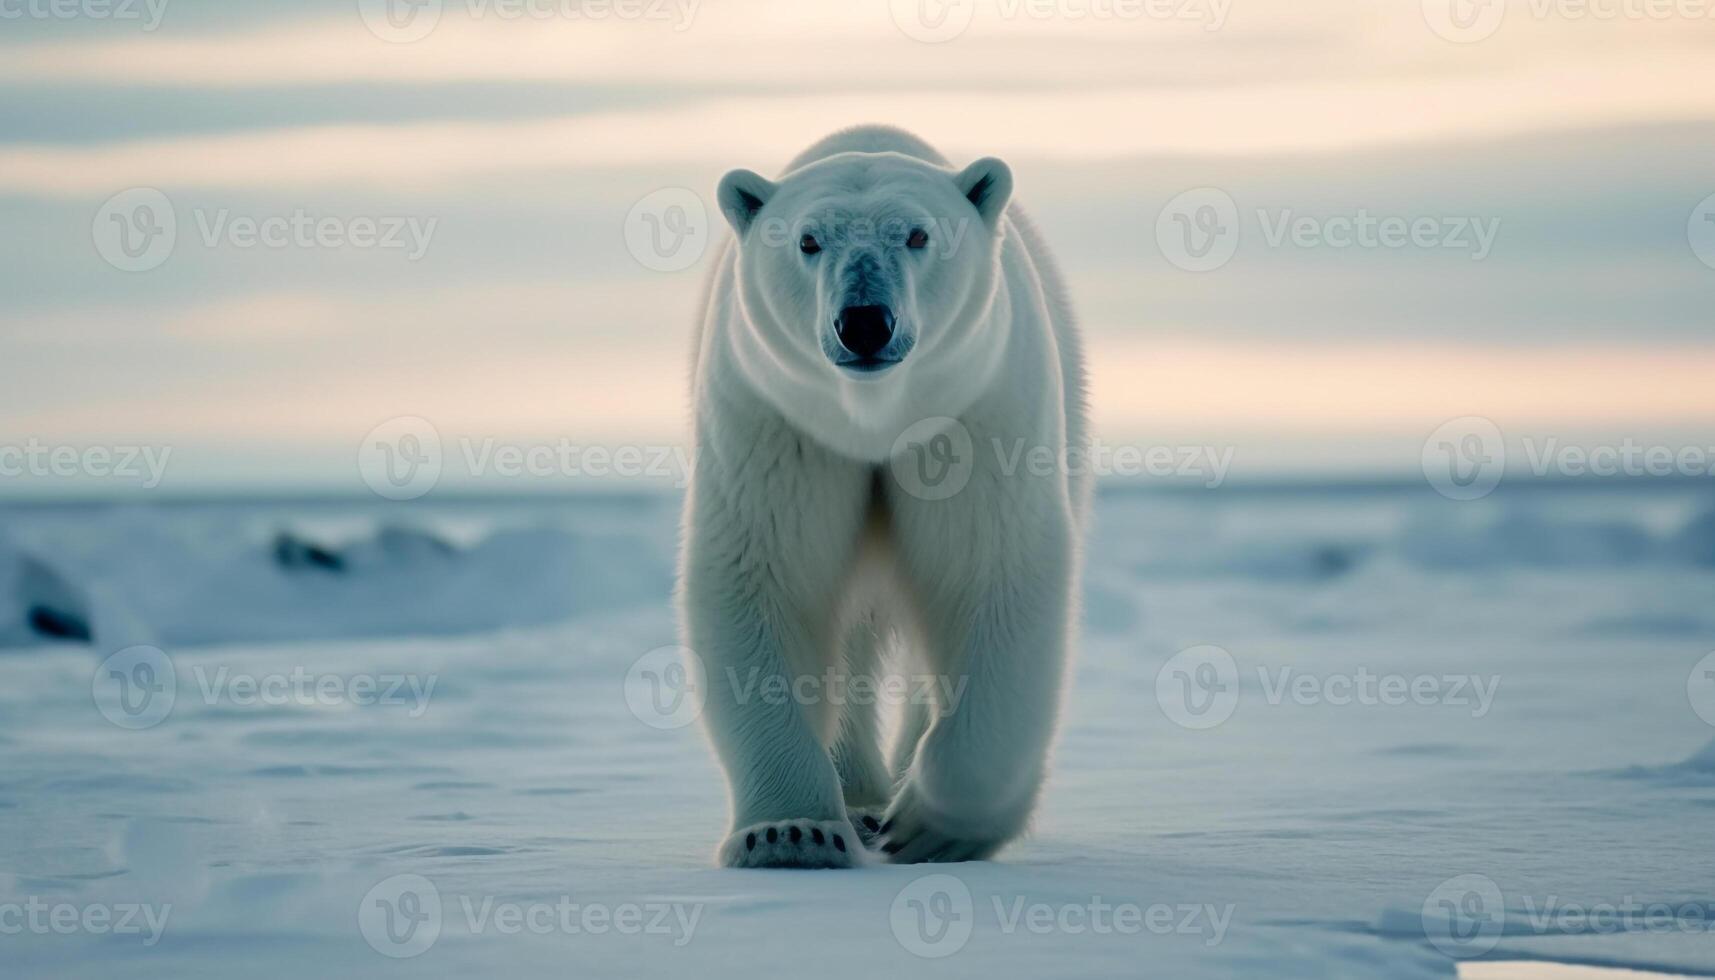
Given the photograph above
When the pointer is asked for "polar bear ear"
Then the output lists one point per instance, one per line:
(987, 184)
(741, 194)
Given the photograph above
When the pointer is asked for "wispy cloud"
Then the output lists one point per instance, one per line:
(1315, 117)
(1300, 388)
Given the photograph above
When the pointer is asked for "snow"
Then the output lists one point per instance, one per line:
(1309, 834)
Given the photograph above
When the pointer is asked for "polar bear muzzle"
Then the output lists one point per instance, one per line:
(864, 330)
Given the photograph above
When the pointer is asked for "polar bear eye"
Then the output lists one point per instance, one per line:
(919, 239)
(808, 244)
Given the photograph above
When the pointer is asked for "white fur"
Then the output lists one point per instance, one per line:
(804, 551)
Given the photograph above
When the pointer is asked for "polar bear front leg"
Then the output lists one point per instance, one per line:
(864, 776)
(787, 809)
(995, 577)
(769, 533)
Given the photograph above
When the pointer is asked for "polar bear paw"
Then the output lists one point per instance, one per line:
(867, 820)
(913, 835)
(793, 844)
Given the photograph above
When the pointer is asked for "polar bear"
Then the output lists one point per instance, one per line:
(877, 320)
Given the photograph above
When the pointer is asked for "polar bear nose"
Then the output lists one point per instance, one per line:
(864, 330)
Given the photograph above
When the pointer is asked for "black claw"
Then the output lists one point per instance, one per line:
(817, 836)
(892, 847)
(870, 823)
(796, 835)
(887, 826)
(839, 842)
(773, 835)
(750, 842)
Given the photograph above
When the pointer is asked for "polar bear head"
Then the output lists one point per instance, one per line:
(858, 265)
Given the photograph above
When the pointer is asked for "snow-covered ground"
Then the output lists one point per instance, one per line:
(1314, 732)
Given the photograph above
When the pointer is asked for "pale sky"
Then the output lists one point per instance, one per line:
(1561, 166)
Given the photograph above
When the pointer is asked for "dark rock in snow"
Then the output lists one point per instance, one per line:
(293, 552)
(58, 624)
